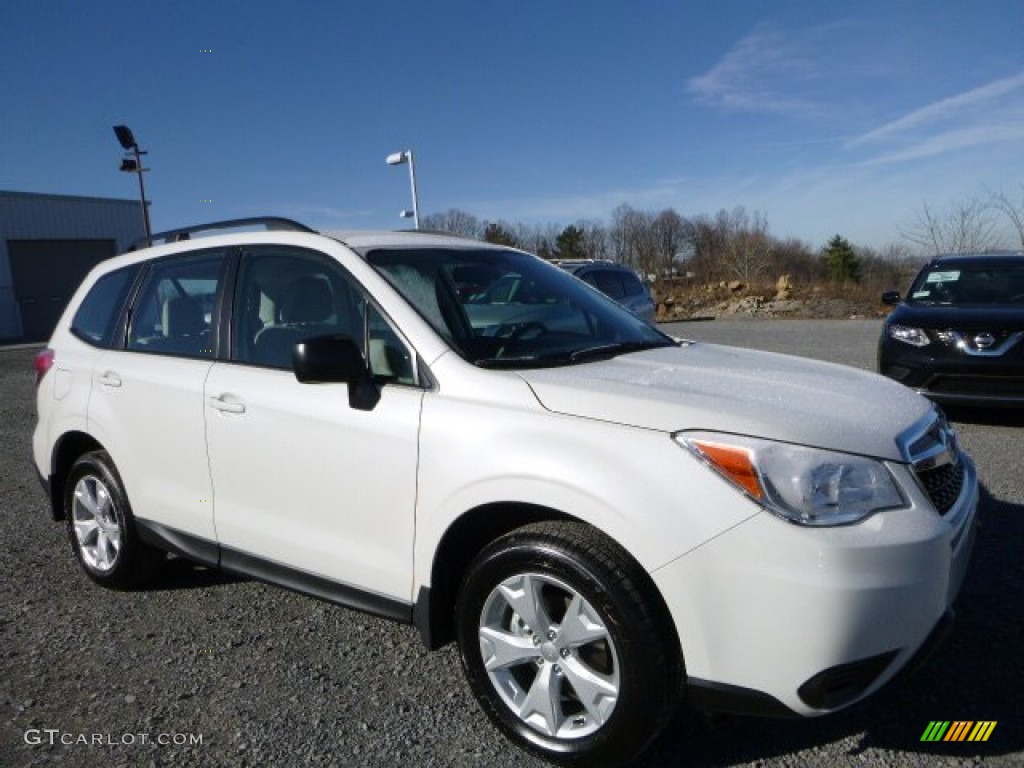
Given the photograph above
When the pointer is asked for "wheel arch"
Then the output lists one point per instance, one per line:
(66, 452)
(434, 609)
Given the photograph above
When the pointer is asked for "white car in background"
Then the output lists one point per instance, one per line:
(604, 518)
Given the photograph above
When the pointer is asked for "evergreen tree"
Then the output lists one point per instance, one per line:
(570, 244)
(496, 233)
(842, 261)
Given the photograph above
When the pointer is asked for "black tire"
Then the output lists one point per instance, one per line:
(623, 655)
(101, 526)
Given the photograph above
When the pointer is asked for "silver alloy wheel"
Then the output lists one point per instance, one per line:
(549, 655)
(96, 523)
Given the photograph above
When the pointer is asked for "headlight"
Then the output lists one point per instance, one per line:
(809, 486)
(913, 336)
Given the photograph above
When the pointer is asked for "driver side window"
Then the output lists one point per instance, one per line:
(286, 295)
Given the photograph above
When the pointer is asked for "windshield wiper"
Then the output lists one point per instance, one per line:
(525, 361)
(607, 351)
(598, 352)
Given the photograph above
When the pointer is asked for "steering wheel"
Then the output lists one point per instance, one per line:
(525, 330)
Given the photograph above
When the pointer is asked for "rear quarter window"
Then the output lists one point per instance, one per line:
(610, 283)
(631, 284)
(96, 319)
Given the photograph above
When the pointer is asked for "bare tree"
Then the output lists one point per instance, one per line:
(708, 242)
(797, 259)
(1013, 210)
(966, 227)
(595, 239)
(890, 268)
(455, 221)
(627, 234)
(748, 246)
(672, 235)
(537, 239)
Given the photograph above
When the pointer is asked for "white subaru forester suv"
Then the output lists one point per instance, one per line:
(605, 519)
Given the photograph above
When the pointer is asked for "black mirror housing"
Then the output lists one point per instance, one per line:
(336, 358)
(892, 298)
(328, 359)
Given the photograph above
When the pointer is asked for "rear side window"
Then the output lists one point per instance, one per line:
(176, 306)
(631, 284)
(96, 319)
(610, 284)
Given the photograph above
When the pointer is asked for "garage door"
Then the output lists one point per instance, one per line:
(45, 275)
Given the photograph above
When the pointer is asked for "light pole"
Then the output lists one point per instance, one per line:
(398, 158)
(134, 165)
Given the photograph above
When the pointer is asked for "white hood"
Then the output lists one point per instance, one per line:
(712, 387)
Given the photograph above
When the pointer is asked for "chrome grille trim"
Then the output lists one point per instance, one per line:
(971, 342)
(932, 450)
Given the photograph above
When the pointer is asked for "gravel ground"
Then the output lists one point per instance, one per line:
(232, 672)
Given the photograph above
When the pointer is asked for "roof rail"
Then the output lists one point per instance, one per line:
(270, 223)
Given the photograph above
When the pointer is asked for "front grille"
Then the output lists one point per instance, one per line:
(982, 343)
(934, 454)
(943, 484)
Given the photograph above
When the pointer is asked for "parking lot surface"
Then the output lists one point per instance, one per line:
(207, 670)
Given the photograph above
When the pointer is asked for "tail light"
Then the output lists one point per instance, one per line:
(43, 362)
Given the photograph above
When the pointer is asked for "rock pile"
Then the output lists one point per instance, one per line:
(677, 300)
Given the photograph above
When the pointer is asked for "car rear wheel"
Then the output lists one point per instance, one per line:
(101, 526)
(567, 646)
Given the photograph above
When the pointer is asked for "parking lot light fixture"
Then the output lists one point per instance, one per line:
(400, 158)
(132, 163)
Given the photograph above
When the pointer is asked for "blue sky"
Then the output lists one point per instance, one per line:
(826, 117)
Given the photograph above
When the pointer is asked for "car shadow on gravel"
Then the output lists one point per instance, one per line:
(976, 675)
(181, 574)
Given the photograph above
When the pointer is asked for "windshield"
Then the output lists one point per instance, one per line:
(508, 309)
(981, 284)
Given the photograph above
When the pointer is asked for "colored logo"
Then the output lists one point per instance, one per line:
(958, 730)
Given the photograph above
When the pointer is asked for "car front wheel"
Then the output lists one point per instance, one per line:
(101, 526)
(566, 645)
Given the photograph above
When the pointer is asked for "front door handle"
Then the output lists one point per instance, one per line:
(227, 406)
(109, 379)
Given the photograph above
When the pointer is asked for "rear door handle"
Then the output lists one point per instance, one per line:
(110, 379)
(227, 406)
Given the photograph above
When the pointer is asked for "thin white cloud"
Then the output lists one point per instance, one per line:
(764, 72)
(950, 141)
(969, 105)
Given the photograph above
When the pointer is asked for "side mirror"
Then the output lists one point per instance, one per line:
(892, 298)
(335, 359)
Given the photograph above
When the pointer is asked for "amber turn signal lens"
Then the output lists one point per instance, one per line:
(734, 463)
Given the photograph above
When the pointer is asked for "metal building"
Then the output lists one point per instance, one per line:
(47, 245)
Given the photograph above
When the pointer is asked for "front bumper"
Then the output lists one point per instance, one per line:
(954, 378)
(809, 621)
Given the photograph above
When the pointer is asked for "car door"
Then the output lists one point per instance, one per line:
(310, 491)
(146, 406)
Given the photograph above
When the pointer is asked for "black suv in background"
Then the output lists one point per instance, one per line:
(958, 334)
(614, 280)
